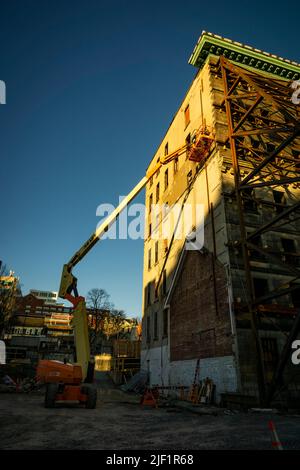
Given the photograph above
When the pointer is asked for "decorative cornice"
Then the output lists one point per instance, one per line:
(247, 56)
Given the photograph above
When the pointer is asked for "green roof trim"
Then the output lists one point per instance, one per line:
(247, 56)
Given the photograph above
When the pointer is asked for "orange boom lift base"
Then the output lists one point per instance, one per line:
(64, 384)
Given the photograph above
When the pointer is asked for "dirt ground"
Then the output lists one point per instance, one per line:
(119, 422)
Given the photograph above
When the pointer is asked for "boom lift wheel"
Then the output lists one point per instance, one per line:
(51, 392)
(91, 393)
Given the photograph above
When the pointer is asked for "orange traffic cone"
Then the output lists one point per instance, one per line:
(149, 398)
(276, 444)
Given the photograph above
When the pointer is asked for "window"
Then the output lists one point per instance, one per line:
(270, 147)
(279, 199)
(148, 330)
(175, 165)
(164, 283)
(150, 202)
(150, 230)
(189, 177)
(254, 143)
(148, 294)
(151, 181)
(249, 202)
(256, 255)
(166, 178)
(295, 296)
(187, 115)
(289, 248)
(264, 112)
(156, 252)
(149, 259)
(261, 287)
(155, 291)
(165, 322)
(296, 156)
(270, 356)
(155, 332)
(157, 193)
(166, 149)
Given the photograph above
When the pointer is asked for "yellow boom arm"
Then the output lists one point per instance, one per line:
(68, 284)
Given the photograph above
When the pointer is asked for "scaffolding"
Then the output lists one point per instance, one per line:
(264, 142)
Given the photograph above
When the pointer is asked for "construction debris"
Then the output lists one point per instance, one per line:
(19, 385)
(202, 392)
(137, 383)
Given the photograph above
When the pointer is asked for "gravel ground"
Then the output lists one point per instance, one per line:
(119, 422)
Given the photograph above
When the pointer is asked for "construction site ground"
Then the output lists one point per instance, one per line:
(119, 422)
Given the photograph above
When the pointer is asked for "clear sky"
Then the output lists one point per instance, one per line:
(91, 89)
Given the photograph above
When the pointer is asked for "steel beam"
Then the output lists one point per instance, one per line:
(271, 95)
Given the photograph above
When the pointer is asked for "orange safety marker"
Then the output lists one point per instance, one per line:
(276, 444)
(149, 398)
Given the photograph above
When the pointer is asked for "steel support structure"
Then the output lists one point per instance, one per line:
(264, 139)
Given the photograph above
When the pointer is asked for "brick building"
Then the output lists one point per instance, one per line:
(39, 329)
(233, 302)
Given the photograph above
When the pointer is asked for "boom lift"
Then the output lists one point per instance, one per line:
(73, 382)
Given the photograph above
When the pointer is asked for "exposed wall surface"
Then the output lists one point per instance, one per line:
(156, 362)
(222, 370)
(199, 313)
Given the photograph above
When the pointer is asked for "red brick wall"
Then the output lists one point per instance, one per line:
(196, 329)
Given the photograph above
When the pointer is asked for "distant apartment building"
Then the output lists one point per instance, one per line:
(49, 297)
(232, 303)
(39, 329)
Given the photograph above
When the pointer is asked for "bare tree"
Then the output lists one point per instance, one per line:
(99, 308)
(114, 322)
(7, 300)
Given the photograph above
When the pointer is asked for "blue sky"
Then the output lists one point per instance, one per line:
(91, 88)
